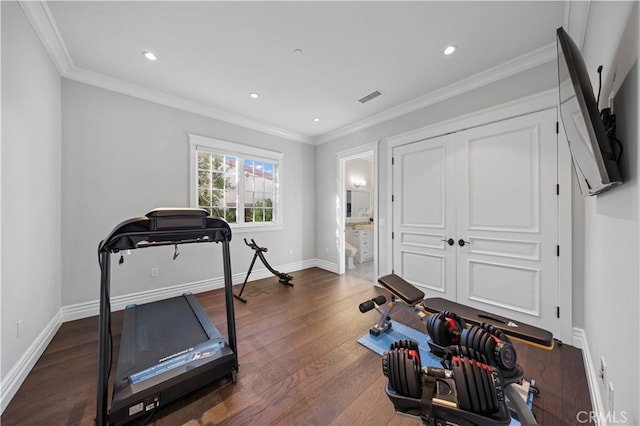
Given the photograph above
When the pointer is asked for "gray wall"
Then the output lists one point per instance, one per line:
(520, 85)
(31, 277)
(611, 230)
(123, 157)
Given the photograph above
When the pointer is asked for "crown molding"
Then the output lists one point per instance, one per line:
(43, 23)
(514, 66)
(178, 102)
(576, 16)
(40, 18)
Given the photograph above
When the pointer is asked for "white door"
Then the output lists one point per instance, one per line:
(507, 214)
(424, 215)
(494, 188)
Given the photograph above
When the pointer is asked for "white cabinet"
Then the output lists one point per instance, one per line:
(361, 239)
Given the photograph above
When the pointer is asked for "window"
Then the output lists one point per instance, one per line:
(236, 182)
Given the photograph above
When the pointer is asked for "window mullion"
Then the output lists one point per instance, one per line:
(240, 170)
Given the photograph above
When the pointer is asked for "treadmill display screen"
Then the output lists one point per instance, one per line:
(163, 223)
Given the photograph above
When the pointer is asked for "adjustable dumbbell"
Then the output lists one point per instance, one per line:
(491, 342)
(477, 384)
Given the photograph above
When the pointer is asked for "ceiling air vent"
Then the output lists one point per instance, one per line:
(370, 96)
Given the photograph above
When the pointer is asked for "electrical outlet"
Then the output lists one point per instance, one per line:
(326, 250)
(19, 329)
(603, 371)
(290, 251)
(155, 272)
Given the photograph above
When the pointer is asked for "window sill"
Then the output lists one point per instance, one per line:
(246, 228)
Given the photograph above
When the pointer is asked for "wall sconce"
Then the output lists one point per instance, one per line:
(358, 183)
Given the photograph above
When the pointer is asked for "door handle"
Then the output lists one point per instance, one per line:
(450, 241)
(462, 242)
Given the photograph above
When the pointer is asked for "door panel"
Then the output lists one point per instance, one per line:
(502, 177)
(504, 285)
(506, 211)
(494, 188)
(424, 215)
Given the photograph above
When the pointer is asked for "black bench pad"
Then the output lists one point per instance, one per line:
(401, 288)
(472, 316)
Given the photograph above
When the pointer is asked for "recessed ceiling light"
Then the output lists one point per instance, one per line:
(316, 119)
(449, 50)
(298, 52)
(253, 95)
(149, 55)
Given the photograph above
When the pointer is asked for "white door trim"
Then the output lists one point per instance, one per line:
(533, 103)
(342, 157)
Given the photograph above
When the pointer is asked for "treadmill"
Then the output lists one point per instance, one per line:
(170, 347)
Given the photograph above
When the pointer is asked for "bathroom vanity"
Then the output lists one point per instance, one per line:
(361, 237)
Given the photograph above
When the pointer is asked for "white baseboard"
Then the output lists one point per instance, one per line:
(18, 373)
(92, 308)
(21, 369)
(89, 309)
(326, 265)
(580, 341)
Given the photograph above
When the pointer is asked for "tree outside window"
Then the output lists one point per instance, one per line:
(237, 186)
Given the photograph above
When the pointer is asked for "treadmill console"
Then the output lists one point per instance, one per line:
(167, 226)
(169, 218)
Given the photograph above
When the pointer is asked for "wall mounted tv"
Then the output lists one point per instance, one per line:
(590, 143)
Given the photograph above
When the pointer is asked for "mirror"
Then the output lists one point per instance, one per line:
(358, 204)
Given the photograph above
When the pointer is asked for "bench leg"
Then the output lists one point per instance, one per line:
(385, 320)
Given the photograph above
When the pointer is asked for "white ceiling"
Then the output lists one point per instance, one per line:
(211, 55)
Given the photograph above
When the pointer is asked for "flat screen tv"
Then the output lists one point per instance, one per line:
(590, 144)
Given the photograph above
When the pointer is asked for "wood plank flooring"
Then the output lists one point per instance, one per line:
(299, 364)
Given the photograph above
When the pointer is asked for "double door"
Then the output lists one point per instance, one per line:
(475, 217)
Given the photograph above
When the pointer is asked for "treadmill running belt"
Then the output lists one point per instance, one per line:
(159, 330)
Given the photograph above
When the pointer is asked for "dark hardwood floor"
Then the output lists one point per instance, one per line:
(299, 364)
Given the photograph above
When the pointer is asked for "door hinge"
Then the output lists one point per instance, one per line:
(557, 189)
(558, 250)
(393, 235)
(393, 160)
(558, 311)
(393, 198)
(557, 127)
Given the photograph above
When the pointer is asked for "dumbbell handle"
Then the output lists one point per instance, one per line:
(437, 372)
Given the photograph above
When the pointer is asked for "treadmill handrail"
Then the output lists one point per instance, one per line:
(167, 226)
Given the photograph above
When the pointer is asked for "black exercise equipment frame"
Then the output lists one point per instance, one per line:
(283, 278)
(160, 227)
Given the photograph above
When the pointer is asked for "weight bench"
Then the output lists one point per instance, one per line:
(398, 287)
(413, 297)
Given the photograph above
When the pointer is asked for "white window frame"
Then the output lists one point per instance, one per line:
(242, 152)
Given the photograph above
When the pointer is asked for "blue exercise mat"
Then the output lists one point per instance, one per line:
(380, 344)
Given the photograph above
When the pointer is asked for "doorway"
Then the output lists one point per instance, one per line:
(357, 192)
